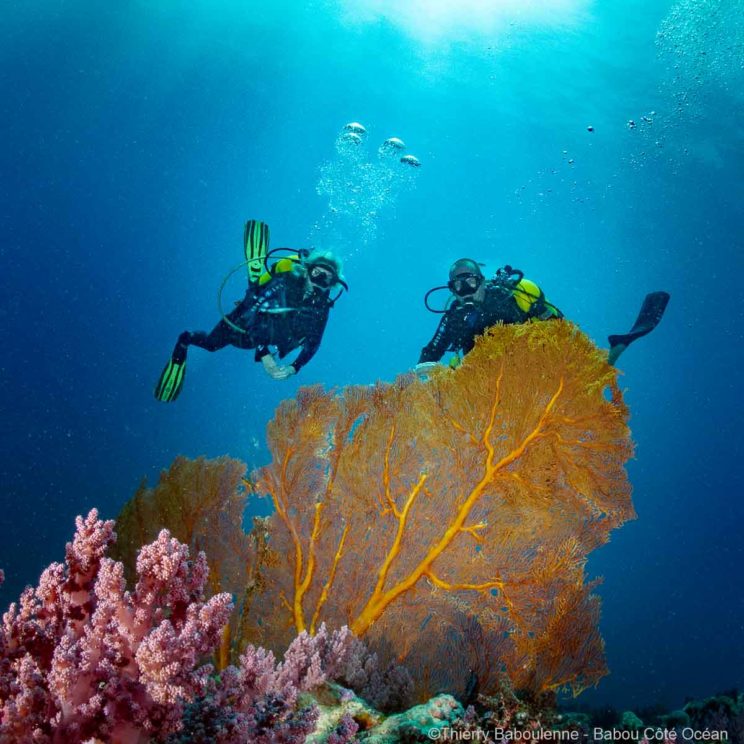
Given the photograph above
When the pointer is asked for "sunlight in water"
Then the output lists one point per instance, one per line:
(433, 20)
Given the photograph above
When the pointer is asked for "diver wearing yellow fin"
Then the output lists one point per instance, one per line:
(476, 303)
(285, 307)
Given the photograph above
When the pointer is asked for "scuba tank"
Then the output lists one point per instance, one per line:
(529, 297)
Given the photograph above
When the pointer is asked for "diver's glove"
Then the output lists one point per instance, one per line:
(276, 371)
(282, 373)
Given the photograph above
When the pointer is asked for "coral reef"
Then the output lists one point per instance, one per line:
(451, 518)
(82, 658)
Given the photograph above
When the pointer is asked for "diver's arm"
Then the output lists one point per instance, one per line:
(434, 350)
(311, 344)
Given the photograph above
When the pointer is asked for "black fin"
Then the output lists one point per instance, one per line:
(649, 317)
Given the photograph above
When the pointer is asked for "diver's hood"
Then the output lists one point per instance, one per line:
(465, 266)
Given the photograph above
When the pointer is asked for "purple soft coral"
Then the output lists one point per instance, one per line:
(345, 730)
(82, 658)
(259, 701)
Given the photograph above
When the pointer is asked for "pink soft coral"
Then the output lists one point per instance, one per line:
(82, 658)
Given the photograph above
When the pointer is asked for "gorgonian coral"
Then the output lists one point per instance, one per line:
(448, 521)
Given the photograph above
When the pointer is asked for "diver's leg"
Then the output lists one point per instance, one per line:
(182, 347)
(219, 337)
(171, 379)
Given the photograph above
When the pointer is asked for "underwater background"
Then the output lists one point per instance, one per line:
(597, 146)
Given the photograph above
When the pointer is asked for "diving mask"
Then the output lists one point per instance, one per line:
(463, 285)
(322, 277)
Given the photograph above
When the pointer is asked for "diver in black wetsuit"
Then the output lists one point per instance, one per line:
(286, 309)
(288, 312)
(478, 303)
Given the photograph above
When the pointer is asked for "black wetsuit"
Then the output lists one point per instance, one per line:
(464, 320)
(300, 321)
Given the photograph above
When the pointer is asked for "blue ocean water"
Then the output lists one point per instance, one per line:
(596, 146)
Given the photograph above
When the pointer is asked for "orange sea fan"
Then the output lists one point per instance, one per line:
(448, 521)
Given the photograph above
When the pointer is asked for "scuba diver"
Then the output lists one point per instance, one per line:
(477, 303)
(285, 307)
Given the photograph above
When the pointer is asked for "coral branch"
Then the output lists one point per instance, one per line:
(395, 548)
(473, 530)
(496, 583)
(302, 588)
(281, 509)
(327, 586)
